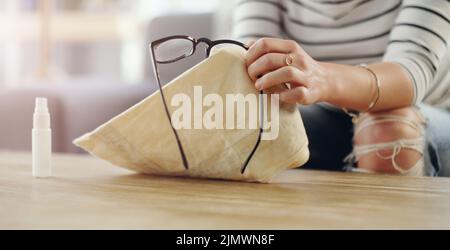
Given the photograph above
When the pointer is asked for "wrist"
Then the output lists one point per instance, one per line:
(333, 83)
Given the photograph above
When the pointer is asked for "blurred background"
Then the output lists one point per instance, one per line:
(88, 57)
(90, 40)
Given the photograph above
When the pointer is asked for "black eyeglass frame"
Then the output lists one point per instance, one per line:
(154, 45)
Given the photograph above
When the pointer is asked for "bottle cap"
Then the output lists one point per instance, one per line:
(41, 106)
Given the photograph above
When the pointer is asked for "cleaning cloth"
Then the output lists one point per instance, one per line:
(141, 138)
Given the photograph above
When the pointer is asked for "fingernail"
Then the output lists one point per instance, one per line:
(258, 84)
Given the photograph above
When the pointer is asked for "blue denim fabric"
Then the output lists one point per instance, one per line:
(330, 134)
(437, 157)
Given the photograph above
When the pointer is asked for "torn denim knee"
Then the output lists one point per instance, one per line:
(416, 144)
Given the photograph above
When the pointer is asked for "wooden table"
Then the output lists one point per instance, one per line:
(89, 193)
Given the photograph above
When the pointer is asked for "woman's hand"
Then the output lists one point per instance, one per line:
(274, 62)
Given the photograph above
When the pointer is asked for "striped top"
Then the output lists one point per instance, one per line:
(413, 33)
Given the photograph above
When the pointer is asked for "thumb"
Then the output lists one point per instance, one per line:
(300, 95)
(295, 95)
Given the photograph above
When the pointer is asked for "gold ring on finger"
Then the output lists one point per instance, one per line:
(289, 60)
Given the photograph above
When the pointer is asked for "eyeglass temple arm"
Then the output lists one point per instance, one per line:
(180, 146)
(261, 130)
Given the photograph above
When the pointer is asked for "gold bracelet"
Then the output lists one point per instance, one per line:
(378, 86)
(374, 101)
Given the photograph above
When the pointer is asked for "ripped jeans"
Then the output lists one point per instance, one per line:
(331, 133)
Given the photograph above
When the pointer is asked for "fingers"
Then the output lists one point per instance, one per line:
(266, 63)
(282, 75)
(276, 89)
(270, 45)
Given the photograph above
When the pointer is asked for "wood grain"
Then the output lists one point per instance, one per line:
(89, 193)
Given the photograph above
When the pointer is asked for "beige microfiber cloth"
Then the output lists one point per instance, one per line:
(141, 138)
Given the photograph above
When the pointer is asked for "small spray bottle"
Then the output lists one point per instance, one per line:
(42, 140)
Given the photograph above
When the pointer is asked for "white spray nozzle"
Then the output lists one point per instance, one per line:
(41, 105)
(41, 115)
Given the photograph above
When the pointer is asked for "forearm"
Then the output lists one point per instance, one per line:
(354, 87)
(272, 62)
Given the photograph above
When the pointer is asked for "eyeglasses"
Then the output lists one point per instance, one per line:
(174, 48)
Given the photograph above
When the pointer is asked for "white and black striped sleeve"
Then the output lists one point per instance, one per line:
(254, 19)
(419, 41)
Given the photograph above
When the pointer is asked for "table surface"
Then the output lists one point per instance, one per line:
(85, 192)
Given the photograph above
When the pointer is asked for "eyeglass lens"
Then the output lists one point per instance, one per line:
(174, 49)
